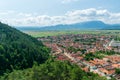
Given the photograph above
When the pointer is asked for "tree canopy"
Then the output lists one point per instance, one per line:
(52, 70)
(19, 50)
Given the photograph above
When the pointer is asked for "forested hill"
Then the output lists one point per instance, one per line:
(19, 50)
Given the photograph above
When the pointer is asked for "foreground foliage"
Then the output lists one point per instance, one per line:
(52, 70)
(117, 71)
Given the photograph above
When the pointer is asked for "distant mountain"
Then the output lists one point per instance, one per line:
(112, 27)
(19, 50)
(89, 25)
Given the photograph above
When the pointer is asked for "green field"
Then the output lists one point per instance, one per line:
(55, 33)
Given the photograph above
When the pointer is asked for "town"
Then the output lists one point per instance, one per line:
(93, 53)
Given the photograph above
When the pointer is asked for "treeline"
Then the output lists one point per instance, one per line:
(52, 70)
(99, 55)
(18, 50)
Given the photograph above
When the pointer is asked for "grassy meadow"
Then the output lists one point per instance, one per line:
(55, 33)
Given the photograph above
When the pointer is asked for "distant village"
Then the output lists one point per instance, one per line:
(93, 53)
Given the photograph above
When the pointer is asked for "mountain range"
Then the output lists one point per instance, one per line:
(89, 25)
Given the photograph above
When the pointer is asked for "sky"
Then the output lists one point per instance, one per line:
(54, 12)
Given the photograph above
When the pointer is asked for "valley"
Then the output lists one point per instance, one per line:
(23, 57)
(89, 50)
(59, 40)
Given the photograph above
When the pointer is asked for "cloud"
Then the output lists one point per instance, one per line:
(68, 1)
(70, 17)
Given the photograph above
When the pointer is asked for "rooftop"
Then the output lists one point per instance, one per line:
(114, 43)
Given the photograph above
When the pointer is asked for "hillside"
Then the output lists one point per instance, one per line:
(89, 25)
(18, 50)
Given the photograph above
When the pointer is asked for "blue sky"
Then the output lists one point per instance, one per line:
(53, 12)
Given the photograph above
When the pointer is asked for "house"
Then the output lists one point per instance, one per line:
(114, 43)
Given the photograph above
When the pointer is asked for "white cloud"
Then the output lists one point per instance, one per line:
(29, 19)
